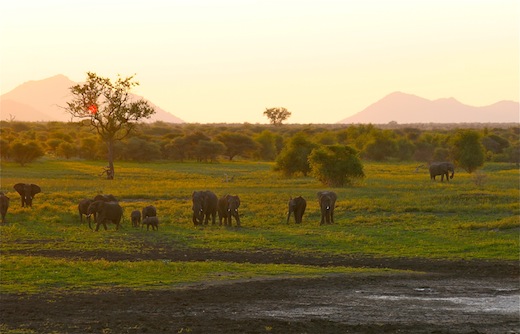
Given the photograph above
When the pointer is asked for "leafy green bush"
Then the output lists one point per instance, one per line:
(336, 165)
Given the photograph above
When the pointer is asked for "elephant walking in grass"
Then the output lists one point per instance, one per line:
(4, 205)
(106, 211)
(327, 201)
(442, 169)
(135, 216)
(228, 208)
(297, 205)
(27, 192)
(204, 206)
(151, 221)
(83, 209)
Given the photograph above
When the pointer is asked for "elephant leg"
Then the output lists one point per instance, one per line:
(332, 216)
(322, 218)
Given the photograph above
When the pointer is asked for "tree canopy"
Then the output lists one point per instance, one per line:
(277, 115)
(112, 111)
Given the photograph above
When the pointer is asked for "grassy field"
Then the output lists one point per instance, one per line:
(396, 212)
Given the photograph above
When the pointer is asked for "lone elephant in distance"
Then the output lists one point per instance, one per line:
(228, 208)
(204, 206)
(297, 205)
(327, 201)
(4, 205)
(442, 169)
(106, 212)
(27, 192)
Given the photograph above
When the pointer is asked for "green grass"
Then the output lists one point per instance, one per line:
(394, 212)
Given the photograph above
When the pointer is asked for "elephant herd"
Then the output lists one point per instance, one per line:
(206, 205)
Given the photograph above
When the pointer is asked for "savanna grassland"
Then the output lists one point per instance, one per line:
(395, 213)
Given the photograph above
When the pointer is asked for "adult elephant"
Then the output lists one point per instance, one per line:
(228, 208)
(204, 206)
(106, 212)
(27, 192)
(442, 169)
(149, 211)
(297, 205)
(327, 201)
(83, 209)
(4, 205)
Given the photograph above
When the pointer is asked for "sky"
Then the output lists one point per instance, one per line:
(226, 61)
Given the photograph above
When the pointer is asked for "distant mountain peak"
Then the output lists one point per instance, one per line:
(40, 100)
(407, 108)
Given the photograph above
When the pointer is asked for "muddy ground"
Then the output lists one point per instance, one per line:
(450, 297)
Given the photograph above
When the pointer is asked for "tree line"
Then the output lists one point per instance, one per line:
(23, 142)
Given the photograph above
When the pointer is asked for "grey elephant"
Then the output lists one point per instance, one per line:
(149, 211)
(204, 206)
(442, 169)
(105, 198)
(151, 221)
(228, 208)
(4, 205)
(27, 192)
(297, 205)
(83, 208)
(106, 212)
(135, 217)
(327, 201)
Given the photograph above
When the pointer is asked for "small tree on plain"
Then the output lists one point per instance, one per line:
(109, 107)
(294, 156)
(336, 165)
(468, 151)
(277, 115)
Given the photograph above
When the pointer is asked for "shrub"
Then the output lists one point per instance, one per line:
(336, 165)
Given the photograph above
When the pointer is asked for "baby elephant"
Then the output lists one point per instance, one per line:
(154, 221)
(135, 216)
(297, 205)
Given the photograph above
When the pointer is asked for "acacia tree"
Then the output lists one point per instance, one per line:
(110, 108)
(277, 115)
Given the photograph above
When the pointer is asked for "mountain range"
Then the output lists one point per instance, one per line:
(43, 100)
(406, 108)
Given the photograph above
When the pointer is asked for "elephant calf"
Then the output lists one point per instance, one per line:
(4, 205)
(327, 201)
(135, 216)
(153, 221)
(297, 205)
(228, 208)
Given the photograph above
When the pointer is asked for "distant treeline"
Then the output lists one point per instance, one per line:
(212, 142)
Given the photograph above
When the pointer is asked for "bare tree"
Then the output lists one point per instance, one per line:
(109, 108)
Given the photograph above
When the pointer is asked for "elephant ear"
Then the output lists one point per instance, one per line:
(35, 189)
(19, 188)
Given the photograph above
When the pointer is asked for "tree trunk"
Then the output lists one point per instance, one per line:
(110, 169)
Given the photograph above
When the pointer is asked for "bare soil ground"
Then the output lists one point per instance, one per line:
(450, 297)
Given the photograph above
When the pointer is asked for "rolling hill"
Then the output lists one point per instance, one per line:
(43, 100)
(406, 108)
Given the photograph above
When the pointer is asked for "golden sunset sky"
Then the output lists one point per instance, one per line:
(226, 61)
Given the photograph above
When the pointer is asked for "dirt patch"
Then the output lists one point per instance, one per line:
(451, 297)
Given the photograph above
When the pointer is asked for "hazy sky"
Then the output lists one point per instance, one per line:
(226, 61)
